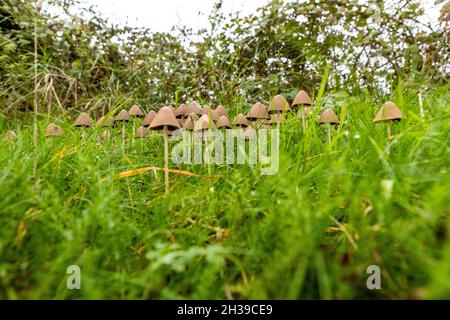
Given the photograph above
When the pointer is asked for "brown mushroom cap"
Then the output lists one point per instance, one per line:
(105, 122)
(328, 116)
(249, 133)
(224, 122)
(221, 111)
(388, 112)
(149, 118)
(189, 124)
(214, 115)
(123, 116)
(180, 122)
(258, 111)
(276, 118)
(135, 111)
(204, 123)
(181, 111)
(302, 98)
(194, 107)
(83, 120)
(279, 104)
(164, 118)
(205, 110)
(241, 121)
(53, 130)
(141, 132)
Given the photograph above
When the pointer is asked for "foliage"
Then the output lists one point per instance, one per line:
(309, 231)
(85, 62)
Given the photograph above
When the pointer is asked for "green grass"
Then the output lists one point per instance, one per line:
(308, 232)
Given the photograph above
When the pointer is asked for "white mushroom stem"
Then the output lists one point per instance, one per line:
(389, 133)
(123, 136)
(166, 160)
(329, 133)
(422, 112)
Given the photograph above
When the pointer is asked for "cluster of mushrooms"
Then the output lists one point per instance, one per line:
(193, 117)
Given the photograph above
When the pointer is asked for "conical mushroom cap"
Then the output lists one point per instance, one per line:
(135, 111)
(105, 122)
(164, 117)
(53, 130)
(388, 112)
(83, 120)
(123, 116)
(276, 118)
(189, 124)
(141, 132)
(328, 116)
(194, 107)
(194, 117)
(181, 111)
(221, 111)
(214, 115)
(258, 111)
(203, 123)
(241, 121)
(279, 104)
(205, 109)
(249, 133)
(180, 122)
(302, 98)
(224, 122)
(149, 118)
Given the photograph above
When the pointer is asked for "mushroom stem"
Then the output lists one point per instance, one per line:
(422, 112)
(389, 133)
(123, 136)
(166, 161)
(329, 133)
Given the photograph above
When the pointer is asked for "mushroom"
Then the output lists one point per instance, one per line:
(194, 107)
(83, 121)
(135, 111)
(141, 132)
(123, 117)
(221, 111)
(53, 130)
(276, 118)
(165, 120)
(258, 113)
(189, 123)
(302, 101)
(328, 118)
(389, 113)
(223, 122)
(181, 111)
(279, 104)
(205, 109)
(241, 121)
(149, 118)
(105, 121)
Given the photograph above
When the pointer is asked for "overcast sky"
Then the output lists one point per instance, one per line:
(161, 15)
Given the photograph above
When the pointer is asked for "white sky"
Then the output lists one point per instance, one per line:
(161, 15)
